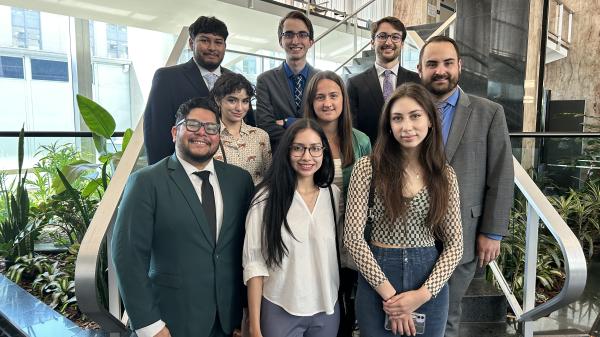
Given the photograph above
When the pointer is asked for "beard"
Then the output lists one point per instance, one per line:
(192, 157)
(387, 59)
(208, 65)
(441, 90)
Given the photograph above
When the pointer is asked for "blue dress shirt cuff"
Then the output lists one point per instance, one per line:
(496, 237)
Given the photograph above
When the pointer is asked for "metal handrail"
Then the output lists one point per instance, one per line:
(334, 27)
(352, 57)
(443, 26)
(539, 208)
(86, 289)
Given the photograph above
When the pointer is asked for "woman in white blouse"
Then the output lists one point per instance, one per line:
(290, 260)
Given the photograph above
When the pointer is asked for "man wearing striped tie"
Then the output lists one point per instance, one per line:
(279, 90)
(369, 90)
(174, 85)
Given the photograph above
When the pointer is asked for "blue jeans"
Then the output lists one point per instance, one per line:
(406, 269)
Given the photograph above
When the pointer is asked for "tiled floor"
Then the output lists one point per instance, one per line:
(35, 318)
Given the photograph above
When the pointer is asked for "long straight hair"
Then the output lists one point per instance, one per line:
(389, 159)
(344, 122)
(278, 186)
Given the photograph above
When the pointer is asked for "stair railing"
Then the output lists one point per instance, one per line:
(99, 232)
(539, 208)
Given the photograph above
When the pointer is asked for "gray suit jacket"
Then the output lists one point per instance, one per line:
(274, 101)
(480, 152)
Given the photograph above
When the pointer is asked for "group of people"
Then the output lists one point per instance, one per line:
(333, 206)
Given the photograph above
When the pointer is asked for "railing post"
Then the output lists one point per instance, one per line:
(531, 248)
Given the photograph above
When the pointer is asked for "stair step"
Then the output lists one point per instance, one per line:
(478, 329)
(370, 53)
(561, 333)
(483, 303)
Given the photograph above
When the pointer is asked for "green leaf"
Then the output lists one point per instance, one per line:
(126, 139)
(91, 187)
(99, 144)
(97, 119)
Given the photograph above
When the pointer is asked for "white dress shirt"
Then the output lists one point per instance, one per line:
(380, 75)
(154, 328)
(205, 73)
(308, 280)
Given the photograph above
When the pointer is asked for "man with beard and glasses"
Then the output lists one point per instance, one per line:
(369, 90)
(174, 85)
(478, 147)
(279, 91)
(178, 237)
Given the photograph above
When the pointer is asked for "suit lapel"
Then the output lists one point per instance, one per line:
(181, 179)
(373, 86)
(459, 123)
(285, 86)
(227, 192)
(192, 73)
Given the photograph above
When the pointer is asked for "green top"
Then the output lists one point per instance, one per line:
(362, 147)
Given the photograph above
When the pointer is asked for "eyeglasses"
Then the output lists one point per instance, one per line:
(298, 150)
(382, 37)
(290, 35)
(193, 125)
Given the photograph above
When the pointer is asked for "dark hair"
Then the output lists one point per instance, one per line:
(208, 24)
(389, 159)
(439, 38)
(229, 83)
(194, 103)
(278, 186)
(395, 22)
(296, 15)
(344, 122)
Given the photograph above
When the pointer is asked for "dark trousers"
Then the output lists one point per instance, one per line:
(348, 279)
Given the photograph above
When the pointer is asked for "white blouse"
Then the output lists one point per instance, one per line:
(307, 281)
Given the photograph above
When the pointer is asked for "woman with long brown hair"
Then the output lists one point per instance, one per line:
(411, 194)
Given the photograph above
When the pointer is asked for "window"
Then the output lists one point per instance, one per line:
(116, 41)
(49, 70)
(26, 28)
(11, 67)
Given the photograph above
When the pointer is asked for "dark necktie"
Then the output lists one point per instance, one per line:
(298, 86)
(208, 201)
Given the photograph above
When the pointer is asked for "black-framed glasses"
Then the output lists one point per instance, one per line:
(382, 37)
(193, 125)
(290, 35)
(298, 150)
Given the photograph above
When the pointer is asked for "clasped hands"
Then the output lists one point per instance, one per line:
(400, 307)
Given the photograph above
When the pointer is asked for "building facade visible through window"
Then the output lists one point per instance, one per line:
(116, 41)
(26, 28)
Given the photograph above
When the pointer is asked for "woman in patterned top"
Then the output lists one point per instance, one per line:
(327, 103)
(289, 255)
(241, 145)
(415, 201)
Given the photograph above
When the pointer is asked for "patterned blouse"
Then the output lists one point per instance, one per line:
(251, 151)
(409, 231)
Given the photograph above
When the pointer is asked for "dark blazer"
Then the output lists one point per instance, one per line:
(479, 150)
(171, 86)
(168, 264)
(366, 98)
(274, 101)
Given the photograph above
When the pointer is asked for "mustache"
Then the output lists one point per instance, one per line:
(440, 77)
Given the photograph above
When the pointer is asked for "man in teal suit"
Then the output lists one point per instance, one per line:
(178, 238)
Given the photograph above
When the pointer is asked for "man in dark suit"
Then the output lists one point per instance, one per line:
(279, 91)
(174, 85)
(370, 89)
(178, 237)
(477, 146)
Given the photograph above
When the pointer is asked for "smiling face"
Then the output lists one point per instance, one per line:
(409, 122)
(306, 164)
(440, 69)
(329, 102)
(209, 50)
(386, 51)
(234, 106)
(296, 47)
(196, 147)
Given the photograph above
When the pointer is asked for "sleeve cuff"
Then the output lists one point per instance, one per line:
(491, 236)
(151, 330)
(253, 270)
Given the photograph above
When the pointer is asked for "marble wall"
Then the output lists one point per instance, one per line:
(577, 76)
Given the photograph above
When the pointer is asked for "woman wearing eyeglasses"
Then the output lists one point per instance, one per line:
(241, 145)
(289, 255)
(402, 288)
(327, 103)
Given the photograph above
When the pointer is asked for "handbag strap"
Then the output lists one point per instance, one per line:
(337, 240)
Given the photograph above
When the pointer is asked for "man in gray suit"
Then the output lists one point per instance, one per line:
(279, 91)
(178, 237)
(478, 147)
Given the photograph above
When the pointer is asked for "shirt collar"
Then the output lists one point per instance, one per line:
(381, 69)
(289, 73)
(190, 169)
(243, 128)
(453, 99)
(204, 71)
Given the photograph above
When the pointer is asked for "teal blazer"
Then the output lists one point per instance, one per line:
(168, 264)
(362, 147)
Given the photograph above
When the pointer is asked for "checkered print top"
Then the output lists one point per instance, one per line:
(408, 231)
